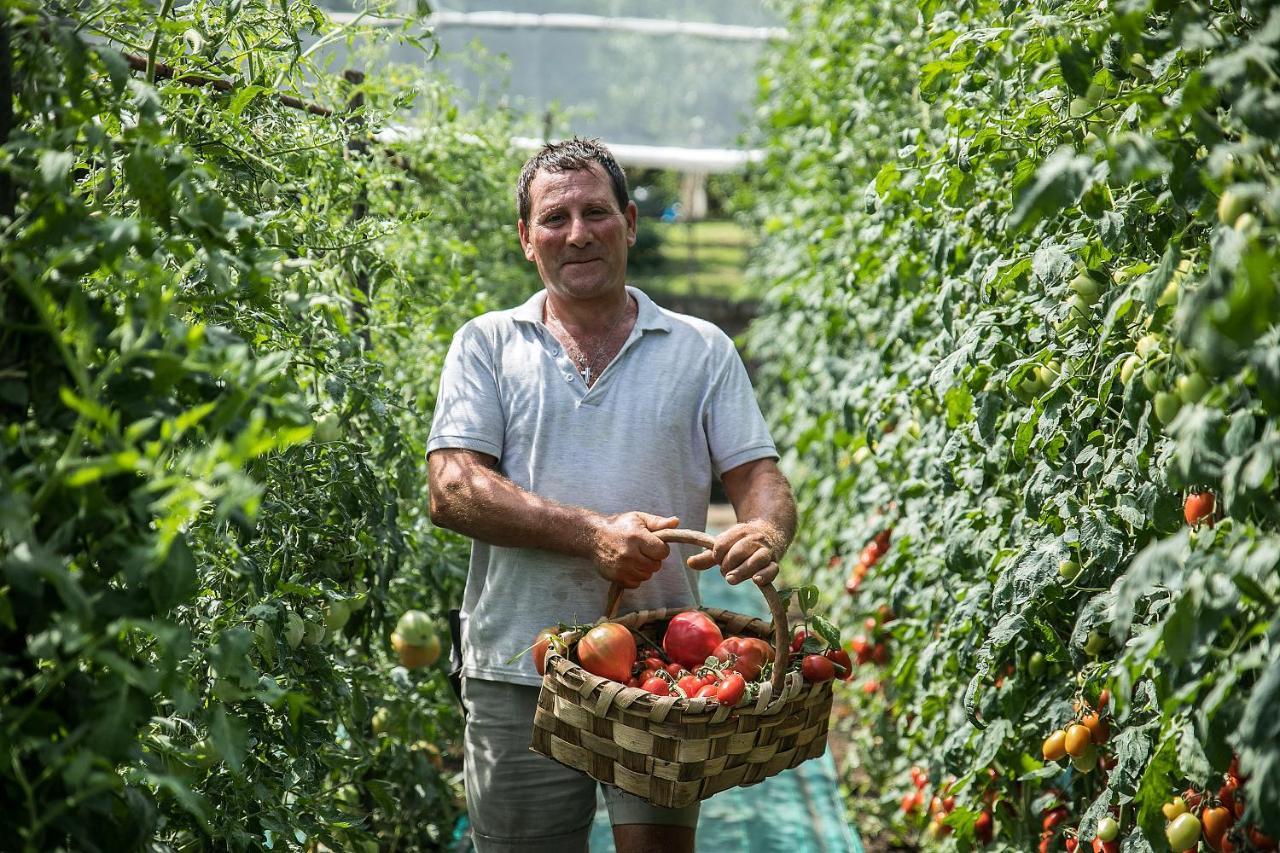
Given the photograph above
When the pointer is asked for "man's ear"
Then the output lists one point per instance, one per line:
(523, 231)
(631, 214)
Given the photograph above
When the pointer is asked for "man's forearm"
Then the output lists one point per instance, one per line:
(773, 504)
(760, 493)
(484, 505)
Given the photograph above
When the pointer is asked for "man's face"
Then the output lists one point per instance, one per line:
(576, 235)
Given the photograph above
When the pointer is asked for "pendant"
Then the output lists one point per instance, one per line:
(586, 376)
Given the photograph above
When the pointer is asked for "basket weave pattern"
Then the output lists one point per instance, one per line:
(672, 751)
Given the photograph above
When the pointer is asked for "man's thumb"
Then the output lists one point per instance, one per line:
(658, 522)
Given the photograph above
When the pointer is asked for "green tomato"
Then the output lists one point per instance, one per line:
(1147, 346)
(1108, 829)
(1231, 205)
(1086, 287)
(1095, 643)
(1079, 107)
(1248, 225)
(1192, 387)
(1036, 664)
(1096, 93)
(1081, 306)
(1088, 761)
(294, 630)
(1127, 369)
(1047, 374)
(326, 428)
(381, 721)
(337, 614)
(1152, 381)
(1183, 832)
(1068, 570)
(1167, 406)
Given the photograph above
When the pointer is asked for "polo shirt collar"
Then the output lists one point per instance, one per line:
(650, 316)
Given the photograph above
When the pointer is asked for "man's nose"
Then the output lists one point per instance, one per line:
(579, 233)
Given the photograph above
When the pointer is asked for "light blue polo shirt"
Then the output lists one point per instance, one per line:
(673, 408)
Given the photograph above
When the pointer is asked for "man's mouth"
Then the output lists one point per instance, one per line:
(579, 261)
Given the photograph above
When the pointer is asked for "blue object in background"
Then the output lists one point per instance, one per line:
(798, 810)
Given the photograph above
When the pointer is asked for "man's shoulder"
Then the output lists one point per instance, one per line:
(689, 327)
(493, 325)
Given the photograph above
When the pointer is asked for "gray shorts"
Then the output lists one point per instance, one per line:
(518, 800)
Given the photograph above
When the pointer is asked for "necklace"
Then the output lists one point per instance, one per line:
(576, 353)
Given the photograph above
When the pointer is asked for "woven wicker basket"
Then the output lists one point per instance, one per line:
(672, 751)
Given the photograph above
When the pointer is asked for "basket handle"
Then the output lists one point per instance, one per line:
(781, 636)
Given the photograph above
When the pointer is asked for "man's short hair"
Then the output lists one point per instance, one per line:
(569, 156)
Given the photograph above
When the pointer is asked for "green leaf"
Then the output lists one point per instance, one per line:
(1059, 183)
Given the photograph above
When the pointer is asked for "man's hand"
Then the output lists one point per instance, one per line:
(748, 550)
(625, 549)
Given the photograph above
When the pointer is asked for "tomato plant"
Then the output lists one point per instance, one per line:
(216, 356)
(1024, 301)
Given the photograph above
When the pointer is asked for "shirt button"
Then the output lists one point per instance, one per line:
(568, 377)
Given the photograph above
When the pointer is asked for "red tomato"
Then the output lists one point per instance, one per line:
(1260, 839)
(1071, 841)
(608, 651)
(870, 624)
(1216, 821)
(1053, 817)
(540, 645)
(690, 685)
(709, 678)
(983, 828)
(870, 555)
(1100, 846)
(691, 637)
(817, 668)
(798, 638)
(647, 674)
(871, 686)
(654, 663)
(880, 654)
(861, 648)
(633, 682)
(674, 670)
(1227, 793)
(918, 777)
(706, 691)
(749, 656)
(841, 659)
(731, 690)
(657, 686)
(882, 539)
(909, 803)
(1199, 507)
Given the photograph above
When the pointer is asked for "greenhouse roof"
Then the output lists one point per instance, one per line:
(666, 84)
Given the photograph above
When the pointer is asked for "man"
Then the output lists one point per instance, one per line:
(566, 432)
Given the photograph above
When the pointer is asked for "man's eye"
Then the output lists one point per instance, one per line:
(597, 213)
(553, 219)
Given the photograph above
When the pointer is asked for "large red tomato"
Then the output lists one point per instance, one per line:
(608, 650)
(691, 638)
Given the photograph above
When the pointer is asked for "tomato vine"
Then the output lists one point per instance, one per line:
(1023, 299)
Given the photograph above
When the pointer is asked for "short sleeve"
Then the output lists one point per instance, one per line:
(736, 431)
(468, 413)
